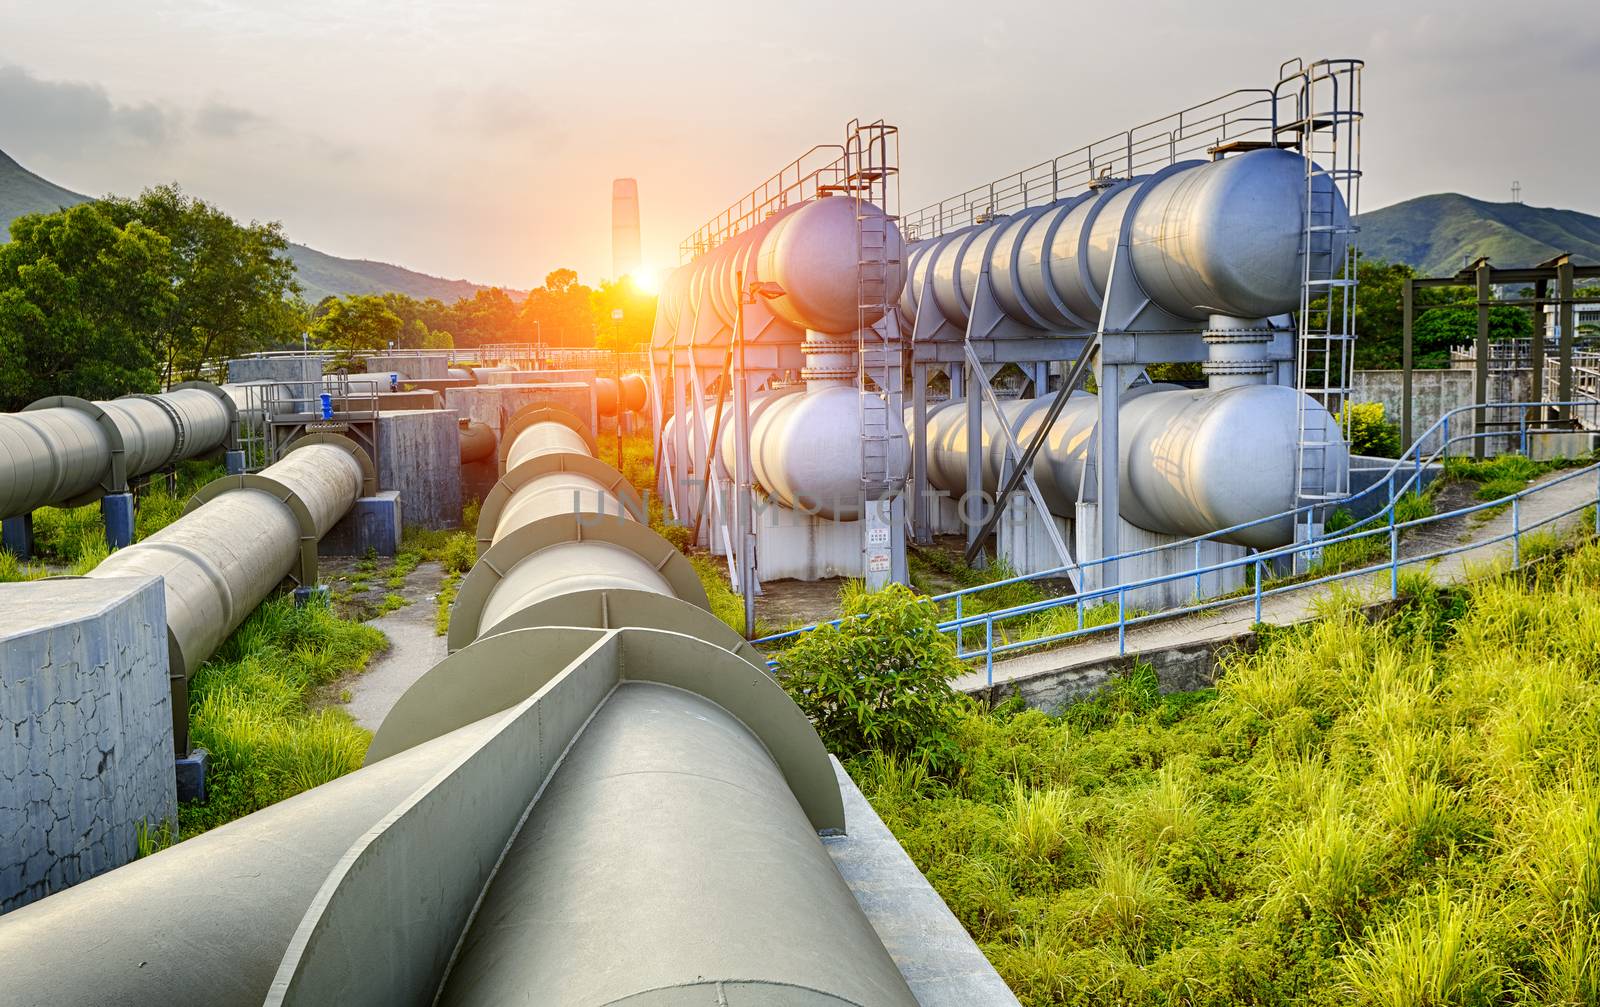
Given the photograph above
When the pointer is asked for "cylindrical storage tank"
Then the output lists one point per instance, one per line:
(477, 441)
(1181, 451)
(1205, 238)
(813, 255)
(62, 453)
(1196, 460)
(805, 451)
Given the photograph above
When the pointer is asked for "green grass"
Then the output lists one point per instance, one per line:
(249, 706)
(1396, 812)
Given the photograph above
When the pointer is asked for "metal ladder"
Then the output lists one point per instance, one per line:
(873, 183)
(1328, 120)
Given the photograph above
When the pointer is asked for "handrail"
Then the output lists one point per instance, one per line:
(1410, 461)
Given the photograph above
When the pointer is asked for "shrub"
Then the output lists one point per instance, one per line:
(881, 681)
(1369, 432)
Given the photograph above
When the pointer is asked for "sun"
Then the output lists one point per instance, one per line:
(646, 280)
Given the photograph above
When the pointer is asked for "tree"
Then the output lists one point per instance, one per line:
(234, 284)
(83, 301)
(1436, 330)
(638, 314)
(561, 312)
(359, 323)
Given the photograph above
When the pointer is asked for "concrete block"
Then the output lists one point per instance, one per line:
(16, 535)
(419, 455)
(190, 771)
(117, 511)
(287, 369)
(233, 462)
(410, 365)
(373, 523)
(496, 404)
(85, 756)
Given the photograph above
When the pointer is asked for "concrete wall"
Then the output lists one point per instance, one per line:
(86, 750)
(276, 369)
(410, 365)
(495, 404)
(419, 454)
(1433, 393)
(581, 375)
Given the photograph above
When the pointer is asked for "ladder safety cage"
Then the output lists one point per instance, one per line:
(872, 182)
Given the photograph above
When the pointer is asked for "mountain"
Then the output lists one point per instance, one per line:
(321, 274)
(1439, 234)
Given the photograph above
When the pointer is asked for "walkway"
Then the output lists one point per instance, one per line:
(1220, 625)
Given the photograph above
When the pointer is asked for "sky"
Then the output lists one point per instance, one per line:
(478, 139)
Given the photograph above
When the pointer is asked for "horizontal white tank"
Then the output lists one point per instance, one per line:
(1192, 460)
(1219, 238)
(809, 249)
(805, 450)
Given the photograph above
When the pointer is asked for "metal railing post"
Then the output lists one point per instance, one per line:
(988, 649)
(1516, 533)
(1122, 622)
(1198, 590)
(1258, 591)
(1394, 547)
(959, 598)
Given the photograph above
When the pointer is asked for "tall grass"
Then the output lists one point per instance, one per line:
(1404, 811)
(249, 708)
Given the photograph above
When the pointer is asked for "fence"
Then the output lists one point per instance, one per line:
(1404, 476)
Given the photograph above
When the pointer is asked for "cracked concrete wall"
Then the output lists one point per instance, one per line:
(85, 730)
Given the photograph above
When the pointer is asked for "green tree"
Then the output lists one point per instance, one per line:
(1436, 330)
(359, 323)
(83, 301)
(561, 312)
(234, 284)
(638, 309)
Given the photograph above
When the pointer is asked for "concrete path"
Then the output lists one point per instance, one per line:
(413, 649)
(1226, 622)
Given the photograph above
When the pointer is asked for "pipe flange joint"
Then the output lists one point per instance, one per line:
(180, 438)
(1254, 334)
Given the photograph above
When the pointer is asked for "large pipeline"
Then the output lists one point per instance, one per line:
(239, 538)
(603, 798)
(65, 452)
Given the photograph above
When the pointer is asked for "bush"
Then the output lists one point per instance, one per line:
(1370, 433)
(879, 682)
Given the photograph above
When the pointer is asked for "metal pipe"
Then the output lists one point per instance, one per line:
(241, 536)
(65, 451)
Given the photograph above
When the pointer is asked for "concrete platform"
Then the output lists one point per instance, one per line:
(86, 749)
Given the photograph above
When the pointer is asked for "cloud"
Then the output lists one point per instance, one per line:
(62, 116)
(219, 119)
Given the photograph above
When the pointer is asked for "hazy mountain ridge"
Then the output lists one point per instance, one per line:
(321, 274)
(1439, 234)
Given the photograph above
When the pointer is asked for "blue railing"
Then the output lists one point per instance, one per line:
(1411, 466)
